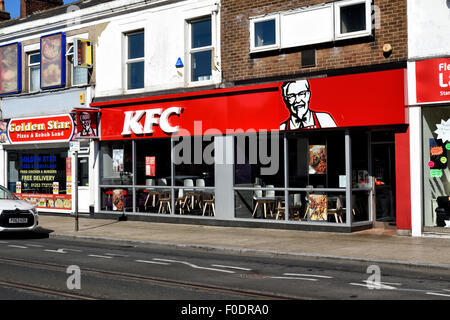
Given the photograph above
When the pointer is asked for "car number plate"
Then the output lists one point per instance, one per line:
(18, 220)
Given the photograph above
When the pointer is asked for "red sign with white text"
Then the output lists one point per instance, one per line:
(44, 129)
(150, 166)
(369, 99)
(433, 80)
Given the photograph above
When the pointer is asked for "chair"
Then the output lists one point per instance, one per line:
(340, 210)
(181, 201)
(256, 195)
(200, 183)
(296, 207)
(190, 193)
(209, 202)
(270, 202)
(165, 201)
(150, 192)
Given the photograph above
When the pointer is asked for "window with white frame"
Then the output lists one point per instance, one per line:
(352, 18)
(34, 71)
(134, 64)
(264, 33)
(311, 25)
(201, 49)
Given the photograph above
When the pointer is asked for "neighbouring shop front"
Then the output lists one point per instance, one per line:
(432, 107)
(35, 137)
(302, 153)
(39, 165)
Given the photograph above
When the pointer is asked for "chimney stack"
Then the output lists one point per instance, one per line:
(29, 7)
(3, 14)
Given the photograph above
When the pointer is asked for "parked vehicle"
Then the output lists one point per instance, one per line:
(16, 214)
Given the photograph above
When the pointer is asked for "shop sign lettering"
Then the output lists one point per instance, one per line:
(132, 122)
(433, 80)
(44, 129)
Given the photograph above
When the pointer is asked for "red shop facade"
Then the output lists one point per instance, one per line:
(321, 154)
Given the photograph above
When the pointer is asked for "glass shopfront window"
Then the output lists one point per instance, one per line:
(40, 177)
(147, 176)
(436, 172)
(259, 172)
(116, 164)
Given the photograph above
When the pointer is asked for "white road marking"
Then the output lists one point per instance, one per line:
(194, 266)
(154, 262)
(4, 242)
(438, 294)
(14, 246)
(294, 278)
(34, 245)
(446, 290)
(382, 282)
(231, 267)
(116, 255)
(307, 275)
(373, 284)
(55, 251)
(74, 250)
(99, 256)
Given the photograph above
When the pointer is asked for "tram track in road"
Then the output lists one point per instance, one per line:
(43, 290)
(246, 293)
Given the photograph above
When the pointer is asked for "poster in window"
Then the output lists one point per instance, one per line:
(53, 67)
(117, 160)
(150, 166)
(317, 207)
(317, 159)
(10, 68)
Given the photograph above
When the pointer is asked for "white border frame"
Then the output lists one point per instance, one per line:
(30, 65)
(211, 47)
(277, 44)
(126, 61)
(337, 20)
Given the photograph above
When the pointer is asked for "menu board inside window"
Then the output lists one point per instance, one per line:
(10, 66)
(53, 67)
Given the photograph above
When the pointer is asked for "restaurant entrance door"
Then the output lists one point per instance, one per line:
(383, 164)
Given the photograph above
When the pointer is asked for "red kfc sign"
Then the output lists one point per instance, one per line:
(367, 99)
(433, 80)
(43, 129)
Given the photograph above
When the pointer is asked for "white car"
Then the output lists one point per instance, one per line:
(16, 214)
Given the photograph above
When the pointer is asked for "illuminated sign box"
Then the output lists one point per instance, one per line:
(82, 50)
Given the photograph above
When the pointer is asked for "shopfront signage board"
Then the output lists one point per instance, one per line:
(41, 130)
(368, 99)
(433, 80)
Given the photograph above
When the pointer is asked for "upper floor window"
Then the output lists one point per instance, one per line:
(34, 71)
(353, 18)
(135, 60)
(311, 25)
(265, 33)
(201, 50)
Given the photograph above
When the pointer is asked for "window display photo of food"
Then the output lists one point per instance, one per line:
(52, 62)
(9, 74)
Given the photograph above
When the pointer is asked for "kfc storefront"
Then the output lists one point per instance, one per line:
(429, 110)
(307, 154)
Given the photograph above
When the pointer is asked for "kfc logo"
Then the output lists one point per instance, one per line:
(296, 96)
(132, 122)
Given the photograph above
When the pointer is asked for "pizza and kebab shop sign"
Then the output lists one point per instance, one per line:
(43, 129)
(433, 80)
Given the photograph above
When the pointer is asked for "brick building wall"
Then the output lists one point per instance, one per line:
(239, 65)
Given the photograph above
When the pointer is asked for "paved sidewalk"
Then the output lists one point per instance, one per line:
(370, 245)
